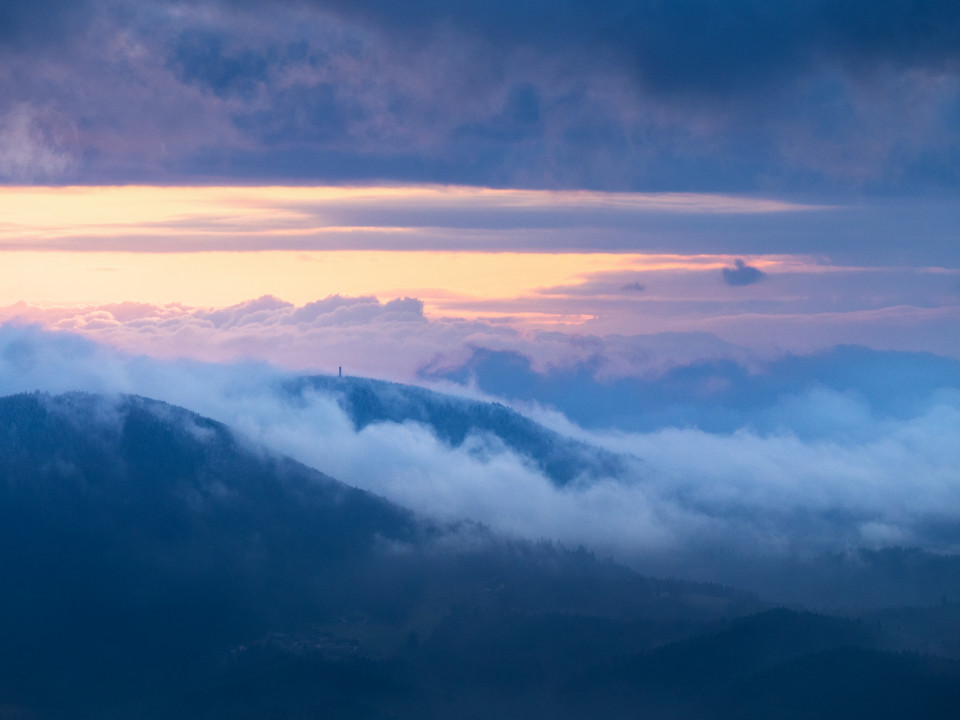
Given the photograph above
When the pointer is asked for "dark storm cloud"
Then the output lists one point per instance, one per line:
(700, 45)
(687, 95)
(742, 274)
(695, 42)
(39, 21)
(200, 58)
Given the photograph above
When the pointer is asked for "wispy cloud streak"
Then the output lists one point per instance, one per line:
(164, 219)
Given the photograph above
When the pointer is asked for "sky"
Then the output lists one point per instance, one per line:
(783, 177)
(628, 202)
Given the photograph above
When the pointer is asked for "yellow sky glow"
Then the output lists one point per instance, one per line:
(224, 278)
(170, 244)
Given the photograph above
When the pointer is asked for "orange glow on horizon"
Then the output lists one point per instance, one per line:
(217, 279)
(218, 246)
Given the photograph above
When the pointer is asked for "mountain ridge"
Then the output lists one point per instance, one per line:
(156, 566)
(452, 419)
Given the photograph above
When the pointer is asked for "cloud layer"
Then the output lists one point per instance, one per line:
(813, 469)
(538, 304)
(641, 95)
(179, 220)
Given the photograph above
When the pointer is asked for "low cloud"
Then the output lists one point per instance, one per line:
(872, 476)
(316, 336)
(742, 274)
(616, 333)
(830, 395)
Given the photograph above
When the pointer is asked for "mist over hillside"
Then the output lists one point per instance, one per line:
(453, 419)
(887, 574)
(156, 564)
(844, 393)
(865, 517)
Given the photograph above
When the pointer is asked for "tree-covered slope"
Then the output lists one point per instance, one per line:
(155, 565)
(452, 419)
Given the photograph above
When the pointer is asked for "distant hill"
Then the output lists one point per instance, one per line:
(155, 565)
(719, 395)
(775, 665)
(452, 419)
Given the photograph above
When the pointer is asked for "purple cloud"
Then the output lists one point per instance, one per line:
(788, 97)
(742, 274)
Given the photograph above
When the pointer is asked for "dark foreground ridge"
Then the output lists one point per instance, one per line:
(155, 566)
